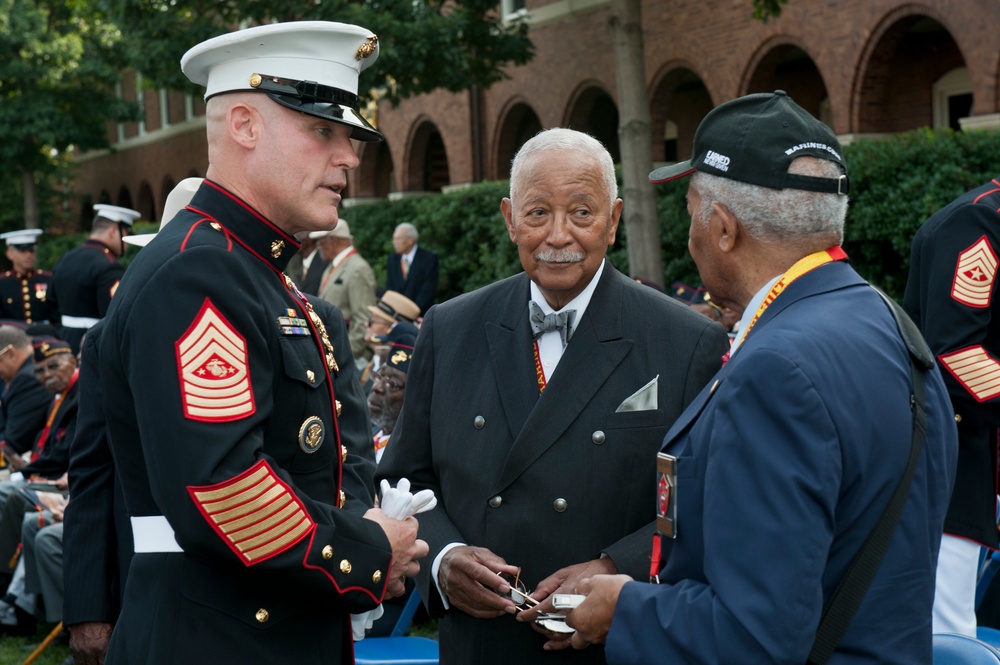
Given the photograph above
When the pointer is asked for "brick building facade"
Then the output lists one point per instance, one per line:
(866, 67)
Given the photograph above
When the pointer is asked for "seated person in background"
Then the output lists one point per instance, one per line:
(48, 461)
(392, 309)
(700, 300)
(385, 400)
(24, 401)
(36, 591)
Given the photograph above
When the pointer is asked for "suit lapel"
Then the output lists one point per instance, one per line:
(596, 349)
(509, 340)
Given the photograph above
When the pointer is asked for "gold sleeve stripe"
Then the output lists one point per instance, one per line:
(976, 370)
(256, 514)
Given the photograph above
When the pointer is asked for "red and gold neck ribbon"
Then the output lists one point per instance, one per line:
(799, 268)
(43, 437)
(538, 369)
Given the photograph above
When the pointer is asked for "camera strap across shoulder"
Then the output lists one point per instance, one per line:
(847, 597)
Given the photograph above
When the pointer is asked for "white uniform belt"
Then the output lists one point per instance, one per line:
(153, 533)
(78, 321)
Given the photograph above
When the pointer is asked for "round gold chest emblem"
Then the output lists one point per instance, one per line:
(311, 434)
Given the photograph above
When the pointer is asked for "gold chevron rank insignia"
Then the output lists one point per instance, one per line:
(974, 274)
(976, 370)
(213, 369)
(256, 514)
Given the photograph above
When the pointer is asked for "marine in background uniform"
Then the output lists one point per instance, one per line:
(951, 294)
(85, 279)
(230, 393)
(24, 290)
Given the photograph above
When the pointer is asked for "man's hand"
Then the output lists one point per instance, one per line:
(566, 580)
(592, 618)
(468, 578)
(89, 642)
(407, 549)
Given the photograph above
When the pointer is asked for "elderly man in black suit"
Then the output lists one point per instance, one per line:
(535, 408)
(411, 269)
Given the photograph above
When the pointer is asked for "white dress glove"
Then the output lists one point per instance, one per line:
(399, 504)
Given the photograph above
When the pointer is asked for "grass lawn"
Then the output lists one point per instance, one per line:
(15, 650)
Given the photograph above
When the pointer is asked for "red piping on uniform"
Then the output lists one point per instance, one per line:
(253, 212)
(992, 191)
(308, 566)
(209, 219)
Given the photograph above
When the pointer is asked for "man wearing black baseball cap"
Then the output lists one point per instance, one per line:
(775, 476)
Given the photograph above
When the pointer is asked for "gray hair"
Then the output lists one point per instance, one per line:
(409, 229)
(560, 138)
(778, 214)
(15, 337)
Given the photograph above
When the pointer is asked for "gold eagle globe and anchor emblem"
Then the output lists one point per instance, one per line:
(311, 434)
(366, 49)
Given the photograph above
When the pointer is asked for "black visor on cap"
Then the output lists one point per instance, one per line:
(24, 247)
(321, 101)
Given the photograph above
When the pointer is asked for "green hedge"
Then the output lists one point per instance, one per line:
(897, 182)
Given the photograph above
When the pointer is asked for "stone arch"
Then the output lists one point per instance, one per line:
(908, 51)
(592, 110)
(517, 123)
(427, 166)
(679, 98)
(781, 63)
(124, 198)
(376, 174)
(146, 204)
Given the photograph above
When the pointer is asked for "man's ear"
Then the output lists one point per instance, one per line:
(728, 227)
(506, 207)
(244, 125)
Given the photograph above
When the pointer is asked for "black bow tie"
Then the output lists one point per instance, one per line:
(542, 323)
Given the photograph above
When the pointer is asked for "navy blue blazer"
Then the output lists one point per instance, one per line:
(786, 461)
(421, 281)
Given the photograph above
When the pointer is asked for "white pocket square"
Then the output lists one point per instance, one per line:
(643, 399)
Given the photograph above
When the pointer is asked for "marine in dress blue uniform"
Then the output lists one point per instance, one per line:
(85, 279)
(786, 461)
(24, 290)
(232, 458)
(951, 294)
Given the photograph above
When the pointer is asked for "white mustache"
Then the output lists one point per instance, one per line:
(559, 256)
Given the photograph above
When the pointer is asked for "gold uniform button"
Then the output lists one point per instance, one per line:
(343, 453)
(216, 226)
(339, 407)
(345, 566)
(343, 499)
(377, 576)
(328, 552)
(958, 418)
(262, 615)
(311, 376)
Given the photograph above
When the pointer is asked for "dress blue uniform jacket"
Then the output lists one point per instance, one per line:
(956, 325)
(786, 461)
(233, 477)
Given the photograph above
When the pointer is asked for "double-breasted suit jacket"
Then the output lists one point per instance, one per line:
(543, 480)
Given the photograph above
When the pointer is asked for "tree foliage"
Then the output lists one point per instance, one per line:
(425, 45)
(57, 85)
(767, 9)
